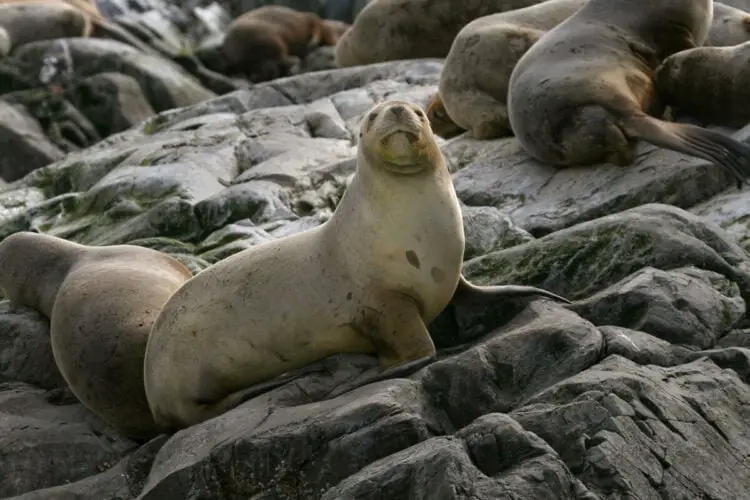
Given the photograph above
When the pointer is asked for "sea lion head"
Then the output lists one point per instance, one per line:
(397, 136)
(667, 73)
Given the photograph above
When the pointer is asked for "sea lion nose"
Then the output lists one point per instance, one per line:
(397, 110)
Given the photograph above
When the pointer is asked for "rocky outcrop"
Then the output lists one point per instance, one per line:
(638, 389)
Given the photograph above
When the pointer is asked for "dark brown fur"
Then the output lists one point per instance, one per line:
(440, 122)
(267, 42)
(708, 84)
(583, 93)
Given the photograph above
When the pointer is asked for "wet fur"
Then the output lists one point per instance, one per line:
(708, 83)
(583, 93)
(476, 72)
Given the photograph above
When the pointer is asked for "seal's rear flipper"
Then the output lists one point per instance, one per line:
(694, 141)
(468, 292)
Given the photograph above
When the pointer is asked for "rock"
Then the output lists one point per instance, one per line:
(542, 199)
(164, 84)
(683, 306)
(43, 444)
(639, 389)
(24, 145)
(673, 432)
(112, 101)
(579, 261)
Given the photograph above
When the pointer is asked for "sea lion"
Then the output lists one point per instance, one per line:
(708, 84)
(100, 26)
(268, 42)
(582, 94)
(25, 22)
(388, 30)
(441, 123)
(101, 303)
(331, 31)
(475, 75)
(366, 281)
(730, 26)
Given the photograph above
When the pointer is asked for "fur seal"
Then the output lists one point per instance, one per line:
(584, 93)
(101, 303)
(475, 75)
(708, 84)
(26, 22)
(269, 41)
(366, 281)
(730, 26)
(387, 30)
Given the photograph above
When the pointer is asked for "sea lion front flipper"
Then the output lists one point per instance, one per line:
(400, 337)
(468, 292)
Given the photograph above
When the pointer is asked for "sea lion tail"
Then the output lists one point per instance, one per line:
(467, 291)
(695, 141)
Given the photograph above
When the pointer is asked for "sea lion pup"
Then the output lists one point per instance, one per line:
(708, 84)
(475, 75)
(582, 93)
(366, 281)
(730, 26)
(267, 42)
(388, 30)
(101, 303)
(26, 22)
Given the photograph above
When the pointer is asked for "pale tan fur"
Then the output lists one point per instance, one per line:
(101, 303)
(30, 21)
(475, 76)
(387, 30)
(368, 280)
(730, 26)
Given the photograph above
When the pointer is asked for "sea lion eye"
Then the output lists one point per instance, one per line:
(419, 112)
(371, 118)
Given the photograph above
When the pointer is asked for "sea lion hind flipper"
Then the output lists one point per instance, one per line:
(468, 292)
(695, 141)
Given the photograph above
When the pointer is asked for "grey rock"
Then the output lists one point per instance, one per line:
(164, 83)
(23, 143)
(639, 389)
(112, 101)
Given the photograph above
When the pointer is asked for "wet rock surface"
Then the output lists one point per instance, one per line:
(638, 389)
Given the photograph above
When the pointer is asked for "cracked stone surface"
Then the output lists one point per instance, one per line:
(638, 389)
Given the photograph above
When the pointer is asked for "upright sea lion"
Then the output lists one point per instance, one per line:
(708, 84)
(476, 72)
(730, 26)
(101, 303)
(582, 93)
(267, 42)
(387, 30)
(367, 280)
(26, 22)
